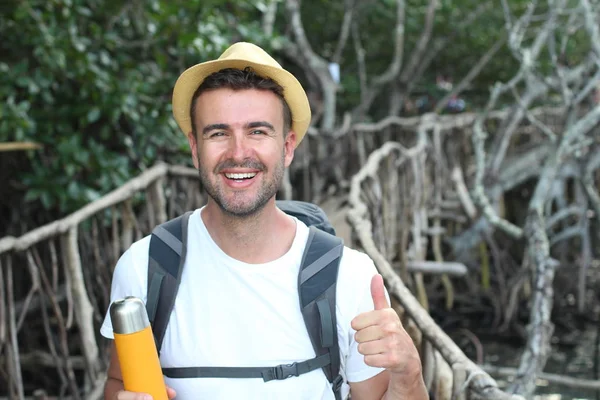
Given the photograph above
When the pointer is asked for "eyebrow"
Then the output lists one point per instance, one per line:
(260, 124)
(250, 125)
(213, 127)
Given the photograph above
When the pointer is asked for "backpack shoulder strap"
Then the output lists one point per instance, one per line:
(168, 244)
(317, 290)
(309, 213)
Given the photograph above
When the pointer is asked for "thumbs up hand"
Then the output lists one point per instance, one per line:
(378, 293)
(381, 337)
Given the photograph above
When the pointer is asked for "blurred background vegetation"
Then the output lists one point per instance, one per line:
(90, 80)
(87, 87)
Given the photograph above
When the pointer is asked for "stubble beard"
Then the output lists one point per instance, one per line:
(238, 205)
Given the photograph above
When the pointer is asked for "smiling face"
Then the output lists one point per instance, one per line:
(240, 148)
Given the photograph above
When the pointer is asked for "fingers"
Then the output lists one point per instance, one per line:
(378, 293)
(171, 393)
(379, 340)
(373, 347)
(124, 395)
(382, 360)
(368, 334)
(381, 307)
(375, 317)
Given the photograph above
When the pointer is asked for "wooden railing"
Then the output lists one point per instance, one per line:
(56, 280)
(392, 199)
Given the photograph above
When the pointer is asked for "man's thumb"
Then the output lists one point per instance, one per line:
(378, 293)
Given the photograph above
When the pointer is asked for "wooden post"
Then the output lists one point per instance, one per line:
(444, 379)
(84, 312)
(159, 203)
(15, 386)
(459, 375)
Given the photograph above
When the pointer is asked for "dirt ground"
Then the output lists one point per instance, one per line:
(336, 209)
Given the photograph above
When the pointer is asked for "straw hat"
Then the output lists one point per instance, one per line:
(241, 55)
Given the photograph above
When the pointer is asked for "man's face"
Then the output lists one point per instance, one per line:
(240, 150)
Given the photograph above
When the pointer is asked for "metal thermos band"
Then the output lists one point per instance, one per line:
(128, 315)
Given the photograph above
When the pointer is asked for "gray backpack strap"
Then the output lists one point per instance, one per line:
(168, 244)
(267, 374)
(316, 286)
(317, 289)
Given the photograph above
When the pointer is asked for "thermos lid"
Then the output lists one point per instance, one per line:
(128, 315)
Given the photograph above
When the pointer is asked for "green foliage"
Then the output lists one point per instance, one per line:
(91, 81)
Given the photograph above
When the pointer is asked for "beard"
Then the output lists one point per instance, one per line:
(239, 204)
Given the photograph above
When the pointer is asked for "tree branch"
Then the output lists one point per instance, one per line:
(478, 384)
(472, 74)
(344, 31)
(393, 68)
(318, 66)
(479, 195)
(63, 225)
(417, 54)
(269, 15)
(441, 43)
(567, 212)
(562, 380)
(591, 190)
(591, 85)
(591, 25)
(360, 60)
(463, 193)
(541, 328)
(84, 312)
(435, 267)
(535, 88)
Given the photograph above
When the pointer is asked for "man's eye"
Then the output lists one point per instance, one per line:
(217, 134)
(257, 132)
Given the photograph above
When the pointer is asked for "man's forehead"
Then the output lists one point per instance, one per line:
(245, 106)
(238, 91)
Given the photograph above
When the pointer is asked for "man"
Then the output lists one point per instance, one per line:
(237, 303)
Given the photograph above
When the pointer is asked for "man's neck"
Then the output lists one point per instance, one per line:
(259, 238)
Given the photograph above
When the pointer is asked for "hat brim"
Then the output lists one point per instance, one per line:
(192, 78)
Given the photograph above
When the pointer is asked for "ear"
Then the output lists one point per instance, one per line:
(194, 148)
(289, 147)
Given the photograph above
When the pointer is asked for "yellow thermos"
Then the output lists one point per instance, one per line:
(136, 349)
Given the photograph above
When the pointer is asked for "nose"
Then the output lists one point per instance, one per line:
(238, 148)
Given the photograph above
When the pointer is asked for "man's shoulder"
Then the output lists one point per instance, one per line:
(135, 256)
(140, 246)
(356, 262)
(353, 285)
(355, 272)
(352, 261)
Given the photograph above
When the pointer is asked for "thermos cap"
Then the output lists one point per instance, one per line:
(128, 315)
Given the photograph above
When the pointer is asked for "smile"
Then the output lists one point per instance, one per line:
(239, 177)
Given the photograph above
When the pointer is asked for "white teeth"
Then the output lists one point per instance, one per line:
(241, 176)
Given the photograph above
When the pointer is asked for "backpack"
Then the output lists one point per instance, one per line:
(316, 288)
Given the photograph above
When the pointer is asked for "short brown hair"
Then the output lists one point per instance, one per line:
(238, 79)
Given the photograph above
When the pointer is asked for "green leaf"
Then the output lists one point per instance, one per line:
(32, 195)
(93, 115)
(46, 200)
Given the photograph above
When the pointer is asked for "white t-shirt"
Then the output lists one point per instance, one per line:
(232, 314)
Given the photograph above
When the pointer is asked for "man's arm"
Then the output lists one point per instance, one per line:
(114, 379)
(407, 387)
(390, 386)
(384, 343)
(371, 389)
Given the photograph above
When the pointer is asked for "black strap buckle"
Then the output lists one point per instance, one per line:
(285, 371)
(337, 383)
